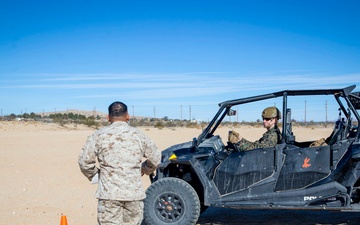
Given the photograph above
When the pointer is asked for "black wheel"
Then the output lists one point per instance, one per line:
(171, 201)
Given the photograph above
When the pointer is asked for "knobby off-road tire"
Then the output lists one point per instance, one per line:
(171, 201)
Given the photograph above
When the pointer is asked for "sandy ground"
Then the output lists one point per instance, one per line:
(40, 178)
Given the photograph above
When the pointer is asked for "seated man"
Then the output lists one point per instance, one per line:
(270, 138)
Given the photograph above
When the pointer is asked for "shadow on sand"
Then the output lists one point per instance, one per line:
(224, 216)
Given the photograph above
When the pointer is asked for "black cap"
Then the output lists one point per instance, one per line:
(117, 109)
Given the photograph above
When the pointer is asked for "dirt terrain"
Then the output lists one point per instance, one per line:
(41, 180)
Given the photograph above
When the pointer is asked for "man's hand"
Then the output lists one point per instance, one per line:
(233, 137)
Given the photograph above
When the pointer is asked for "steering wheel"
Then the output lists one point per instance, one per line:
(231, 147)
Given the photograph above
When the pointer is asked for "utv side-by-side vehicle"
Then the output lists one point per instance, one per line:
(292, 175)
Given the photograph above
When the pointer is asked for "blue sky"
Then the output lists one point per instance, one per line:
(170, 58)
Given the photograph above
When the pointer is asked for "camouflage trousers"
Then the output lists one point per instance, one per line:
(120, 212)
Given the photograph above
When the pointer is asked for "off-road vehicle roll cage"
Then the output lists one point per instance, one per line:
(291, 175)
(351, 98)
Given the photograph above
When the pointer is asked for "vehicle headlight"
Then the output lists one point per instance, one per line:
(172, 157)
(168, 156)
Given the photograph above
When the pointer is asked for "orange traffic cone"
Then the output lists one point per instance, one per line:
(63, 220)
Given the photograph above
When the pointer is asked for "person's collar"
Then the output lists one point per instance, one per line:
(118, 122)
(273, 127)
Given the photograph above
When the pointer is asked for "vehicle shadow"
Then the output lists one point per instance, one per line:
(225, 216)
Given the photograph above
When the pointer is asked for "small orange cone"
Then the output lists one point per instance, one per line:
(63, 220)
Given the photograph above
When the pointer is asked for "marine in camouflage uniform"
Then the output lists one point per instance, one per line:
(270, 138)
(119, 150)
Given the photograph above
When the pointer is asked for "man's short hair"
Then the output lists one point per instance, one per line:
(117, 109)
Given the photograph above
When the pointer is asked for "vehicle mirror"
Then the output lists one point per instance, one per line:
(231, 112)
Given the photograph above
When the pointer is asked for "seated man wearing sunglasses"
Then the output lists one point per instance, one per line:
(271, 137)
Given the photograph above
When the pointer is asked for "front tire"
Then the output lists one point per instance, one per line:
(171, 201)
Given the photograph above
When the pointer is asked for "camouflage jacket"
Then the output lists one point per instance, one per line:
(118, 151)
(269, 138)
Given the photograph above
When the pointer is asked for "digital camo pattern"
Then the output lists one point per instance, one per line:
(120, 212)
(270, 138)
(119, 149)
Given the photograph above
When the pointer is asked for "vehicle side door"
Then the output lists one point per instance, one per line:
(242, 169)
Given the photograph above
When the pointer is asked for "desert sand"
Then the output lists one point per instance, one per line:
(41, 180)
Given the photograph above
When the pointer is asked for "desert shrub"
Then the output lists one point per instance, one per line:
(159, 125)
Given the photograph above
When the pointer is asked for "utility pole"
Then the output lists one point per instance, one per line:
(326, 108)
(305, 111)
(154, 112)
(180, 112)
(237, 114)
(190, 113)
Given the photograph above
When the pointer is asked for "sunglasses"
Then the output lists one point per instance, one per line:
(267, 119)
